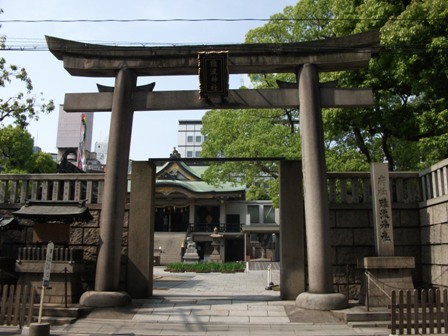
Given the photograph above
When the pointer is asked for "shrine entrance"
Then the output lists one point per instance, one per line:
(214, 64)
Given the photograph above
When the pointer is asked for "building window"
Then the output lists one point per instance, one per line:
(261, 214)
(189, 154)
(198, 154)
(198, 139)
(254, 212)
(268, 214)
(190, 138)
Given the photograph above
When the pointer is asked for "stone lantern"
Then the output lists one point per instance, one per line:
(216, 237)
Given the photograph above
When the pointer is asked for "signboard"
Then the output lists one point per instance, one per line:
(213, 74)
(47, 267)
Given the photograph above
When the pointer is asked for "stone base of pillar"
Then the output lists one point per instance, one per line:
(321, 301)
(99, 299)
(384, 274)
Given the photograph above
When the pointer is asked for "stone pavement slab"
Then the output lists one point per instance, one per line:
(209, 304)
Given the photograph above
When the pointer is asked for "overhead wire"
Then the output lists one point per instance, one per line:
(36, 44)
(273, 19)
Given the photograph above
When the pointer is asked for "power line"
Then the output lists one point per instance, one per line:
(279, 19)
(389, 50)
(136, 20)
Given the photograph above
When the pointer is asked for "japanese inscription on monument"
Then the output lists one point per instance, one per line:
(213, 74)
(382, 210)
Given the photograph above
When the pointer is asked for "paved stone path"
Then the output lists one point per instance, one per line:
(209, 304)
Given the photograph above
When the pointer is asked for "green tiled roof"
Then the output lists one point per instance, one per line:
(202, 187)
(198, 185)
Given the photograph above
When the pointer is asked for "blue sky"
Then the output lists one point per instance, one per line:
(154, 133)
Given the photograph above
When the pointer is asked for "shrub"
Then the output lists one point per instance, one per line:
(229, 267)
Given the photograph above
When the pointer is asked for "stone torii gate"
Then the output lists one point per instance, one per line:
(305, 59)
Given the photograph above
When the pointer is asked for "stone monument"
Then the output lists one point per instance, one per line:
(385, 271)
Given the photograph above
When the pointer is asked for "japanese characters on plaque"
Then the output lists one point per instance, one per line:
(382, 210)
(213, 74)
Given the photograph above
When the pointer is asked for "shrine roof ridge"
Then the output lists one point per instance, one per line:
(215, 159)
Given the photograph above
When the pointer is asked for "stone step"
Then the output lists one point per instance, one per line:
(57, 321)
(367, 316)
(359, 317)
(369, 324)
(61, 311)
(59, 315)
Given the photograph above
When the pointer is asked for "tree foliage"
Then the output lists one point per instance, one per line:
(16, 153)
(24, 105)
(407, 126)
(16, 144)
(249, 134)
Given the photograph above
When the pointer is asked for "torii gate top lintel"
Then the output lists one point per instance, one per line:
(334, 54)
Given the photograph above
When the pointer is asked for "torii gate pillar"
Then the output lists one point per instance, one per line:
(320, 276)
(107, 279)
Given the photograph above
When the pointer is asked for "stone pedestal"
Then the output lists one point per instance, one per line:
(384, 274)
(65, 282)
(191, 255)
(38, 329)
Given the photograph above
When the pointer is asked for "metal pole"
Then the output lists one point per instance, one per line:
(65, 286)
(42, 293)
(367, 289)
(270, 283)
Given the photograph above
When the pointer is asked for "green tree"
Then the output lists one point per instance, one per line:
(16, 148)
(407, 125)
(409, 76)
(16, 153)
(249, 134)
(23, 106)
(42, 163)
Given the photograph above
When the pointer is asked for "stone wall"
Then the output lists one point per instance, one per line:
(86, 236)
(420, 228)
(352, 238)
(434, 225)
(434, 243)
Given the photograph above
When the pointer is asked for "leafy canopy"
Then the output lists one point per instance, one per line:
(25, 105)
(407, 124)
(16, 144)
(16, 153)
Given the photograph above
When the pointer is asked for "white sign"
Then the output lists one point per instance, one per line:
(47, 267)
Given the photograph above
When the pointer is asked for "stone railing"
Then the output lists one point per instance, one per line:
(35, 253)
(16, 188)
(434, 181)
(354, 187)
(343, 188)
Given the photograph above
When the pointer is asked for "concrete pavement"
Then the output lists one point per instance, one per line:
(209, 304)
